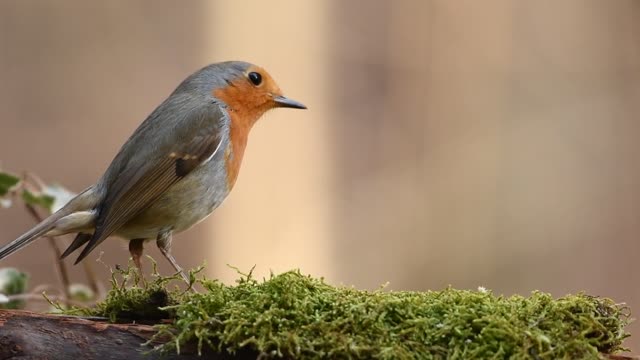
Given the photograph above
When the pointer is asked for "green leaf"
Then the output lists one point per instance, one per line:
(12, 282)
(38, 199)
(7, 181)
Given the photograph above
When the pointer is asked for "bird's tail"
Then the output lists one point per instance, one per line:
(76, 215)
(28, 237)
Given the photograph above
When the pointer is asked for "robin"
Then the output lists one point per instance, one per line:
(176, 168)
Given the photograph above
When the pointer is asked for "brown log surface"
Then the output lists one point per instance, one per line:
(29, 335)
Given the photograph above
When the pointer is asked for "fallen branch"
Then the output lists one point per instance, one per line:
(30, 335)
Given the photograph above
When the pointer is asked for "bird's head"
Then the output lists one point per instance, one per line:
(247, 90)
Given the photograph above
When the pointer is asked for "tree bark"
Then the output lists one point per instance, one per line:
(29, 335)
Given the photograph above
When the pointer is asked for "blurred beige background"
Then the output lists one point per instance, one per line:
(473, 144)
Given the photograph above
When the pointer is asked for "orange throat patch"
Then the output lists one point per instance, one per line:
(245, 106)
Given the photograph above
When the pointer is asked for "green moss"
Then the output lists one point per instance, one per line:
(296, 316)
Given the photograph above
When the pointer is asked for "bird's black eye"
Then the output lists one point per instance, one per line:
(255, 78)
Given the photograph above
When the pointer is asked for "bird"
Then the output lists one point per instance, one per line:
(175, 169)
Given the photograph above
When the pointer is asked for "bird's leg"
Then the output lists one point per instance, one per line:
(164, 244)
(135, 248)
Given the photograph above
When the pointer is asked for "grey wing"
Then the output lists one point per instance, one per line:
(194, 140)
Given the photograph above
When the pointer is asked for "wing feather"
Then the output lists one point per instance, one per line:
(194, 141)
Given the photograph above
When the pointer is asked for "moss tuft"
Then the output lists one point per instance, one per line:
(296, 316)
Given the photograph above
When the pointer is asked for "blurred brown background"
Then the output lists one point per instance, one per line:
(466, 143)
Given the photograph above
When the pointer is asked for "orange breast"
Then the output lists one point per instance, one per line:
(233, 155)
(244, 108)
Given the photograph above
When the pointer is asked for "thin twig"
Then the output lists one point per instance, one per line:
(39, 289)
(30, 179)
(60, 266)
(91, 279)
(39, 297)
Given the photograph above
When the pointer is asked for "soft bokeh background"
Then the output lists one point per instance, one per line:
(447, 142)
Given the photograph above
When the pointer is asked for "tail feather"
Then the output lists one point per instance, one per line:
(81, 239)
(84, 201)
(28, 237)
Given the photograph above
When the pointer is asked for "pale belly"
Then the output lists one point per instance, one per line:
(185, 204)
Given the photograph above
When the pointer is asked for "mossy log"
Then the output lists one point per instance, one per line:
(29, 335)
(294, 316)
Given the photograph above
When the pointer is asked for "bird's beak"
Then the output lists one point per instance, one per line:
(284, 102)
